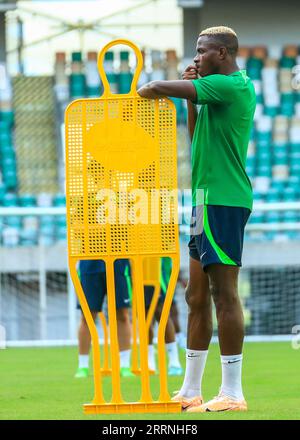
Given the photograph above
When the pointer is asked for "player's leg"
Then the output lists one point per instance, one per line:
(198, 298)
(123, 300)
(84, 346)
(223, 282)
(124, 339)
(84, 337)
(224, 231)
(148, 292)
(124, 328)
(180, 337)
(151, 333)
(174, 366)
(170, 328)
(223, 286)
(175, 317)
(151, 349)
(166, 268)
(199, 332)
(94, 290)
(224, 289)
(199, 329)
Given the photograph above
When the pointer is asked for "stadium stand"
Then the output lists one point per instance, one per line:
(30, 111)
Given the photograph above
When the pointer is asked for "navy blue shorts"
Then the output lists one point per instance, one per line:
(93, 281)
(217, 234)
(149, 291)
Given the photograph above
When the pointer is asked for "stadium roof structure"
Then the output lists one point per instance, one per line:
(137, 20)
(37, 29)
(7, 5)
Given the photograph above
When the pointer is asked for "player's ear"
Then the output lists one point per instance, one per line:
(222, 52)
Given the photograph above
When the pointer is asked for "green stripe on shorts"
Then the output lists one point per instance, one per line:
(161, 280)
(221, 254)
(128, 282)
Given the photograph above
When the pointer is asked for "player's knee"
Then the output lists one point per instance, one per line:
(84, 321)
(195, 300)
(224, 297)
(158, 311)
(123, 315)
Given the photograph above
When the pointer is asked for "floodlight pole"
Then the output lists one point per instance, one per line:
(2, 38)
(20, 45)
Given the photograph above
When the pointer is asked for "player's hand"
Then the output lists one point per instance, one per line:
(190, 72)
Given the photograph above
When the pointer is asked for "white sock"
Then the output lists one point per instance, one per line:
(172, 351)
(151, 357)
(125, 358)
(181, 340)
(83, 361)
(232, 376)
(194, 369)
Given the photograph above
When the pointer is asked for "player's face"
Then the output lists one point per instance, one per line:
(207, 58)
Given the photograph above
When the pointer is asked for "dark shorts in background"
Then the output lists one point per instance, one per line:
(217, 234)
(166, 268)
(93, 281)
(149, 291)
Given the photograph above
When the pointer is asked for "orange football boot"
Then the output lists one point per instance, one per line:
(188, 402)
(219, 404)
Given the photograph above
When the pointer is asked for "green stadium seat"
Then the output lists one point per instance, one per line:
(7, 116)
(254, 67)
(273, 195)
(287, 62)
(251, 161)
(257, 217)
(271, 111)
(28, 238)
(279, 185)
(14, 221)
(273, 216)
(46, 235)
(10, 199)
(2, 192)
(61, 233)
(77, 85)
(179, 109)
(264, 171)
(93, 92)
(263, 138)
(11, 181)
(290, 216)
(295, 169)
(124, 77)
(290, 194)
(59, 200)
(27, 200)
(60, 221)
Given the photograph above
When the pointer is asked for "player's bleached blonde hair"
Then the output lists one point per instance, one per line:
(216, 30)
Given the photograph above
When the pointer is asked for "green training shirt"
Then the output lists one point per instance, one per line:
(220, 141)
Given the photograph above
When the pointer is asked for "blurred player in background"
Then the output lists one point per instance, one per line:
(93, 280)
(220, 135)
(174, 313)
(174, 367)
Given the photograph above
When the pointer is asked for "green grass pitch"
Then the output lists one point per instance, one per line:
(38, 383)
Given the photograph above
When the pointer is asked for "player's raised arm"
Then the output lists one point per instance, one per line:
(175, 89)
(189, 74)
